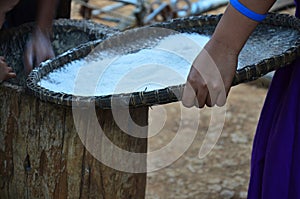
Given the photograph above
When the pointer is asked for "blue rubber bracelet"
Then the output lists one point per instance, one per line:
(247, 12)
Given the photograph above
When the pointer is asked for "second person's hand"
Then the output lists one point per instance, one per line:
(38, 49)
(6, 72)
(210, 76)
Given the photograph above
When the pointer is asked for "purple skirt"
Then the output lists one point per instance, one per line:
(275, 164)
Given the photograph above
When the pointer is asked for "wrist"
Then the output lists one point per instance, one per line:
(258, 17)
(223, 46)
(217, 47)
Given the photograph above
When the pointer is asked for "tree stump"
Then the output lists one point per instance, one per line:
(41, 153)
(42, 156)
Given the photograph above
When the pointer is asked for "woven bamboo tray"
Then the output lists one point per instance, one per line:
(256, 59)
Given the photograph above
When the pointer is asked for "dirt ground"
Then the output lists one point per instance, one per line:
(224, 172)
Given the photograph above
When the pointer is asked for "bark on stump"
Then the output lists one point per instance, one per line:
(42, 156)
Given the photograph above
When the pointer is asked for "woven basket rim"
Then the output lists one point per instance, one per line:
(168, 94)
(85, 25)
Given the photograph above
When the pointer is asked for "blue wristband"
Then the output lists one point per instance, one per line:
(247, 12)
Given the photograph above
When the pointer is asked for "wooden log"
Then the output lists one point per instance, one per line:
(42, 156)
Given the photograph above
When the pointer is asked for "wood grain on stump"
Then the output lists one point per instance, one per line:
(42, 156)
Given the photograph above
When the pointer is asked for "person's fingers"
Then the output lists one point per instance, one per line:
(214, 89)
(221, 99)
(208, 101)
(3, 63)
(202, 95)
(202, 91)
(188, 95)
(196, 90)
(38, 59)
(43, 47)
(211, 99)
(11, 75)
(190, 89)
(28, 58)
(51, 54)
(43, 56)
(9, 69)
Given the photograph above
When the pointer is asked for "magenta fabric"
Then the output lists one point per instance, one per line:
(275, 163)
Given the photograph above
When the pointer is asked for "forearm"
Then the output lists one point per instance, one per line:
(234, 28)
(45, 15)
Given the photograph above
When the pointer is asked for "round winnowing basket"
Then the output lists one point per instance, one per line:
(274, 44)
